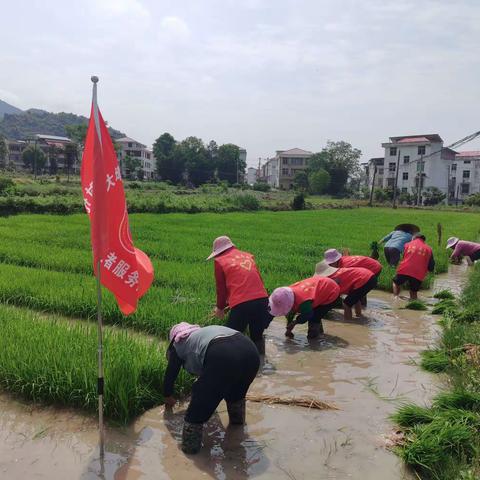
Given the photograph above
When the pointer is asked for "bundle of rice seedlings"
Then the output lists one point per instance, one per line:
(460, 399)
(411, 414)
(468, 315)
(443, 306)
(435, 361)
(444, 295)
(416, 305)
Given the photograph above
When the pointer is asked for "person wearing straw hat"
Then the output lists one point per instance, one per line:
(462, 248)
(417, 262)
(309, 300)
(354, 282)
(395, 241)
(240, 287)
(338, 260)
(225, 362)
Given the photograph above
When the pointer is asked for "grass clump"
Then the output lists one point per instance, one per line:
(435, 361)
(444, 295)
(442, 306)
(416, 305)
(411, 414)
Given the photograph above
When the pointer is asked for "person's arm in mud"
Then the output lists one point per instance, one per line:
(171, 373)
(221, 287)
(431, 264)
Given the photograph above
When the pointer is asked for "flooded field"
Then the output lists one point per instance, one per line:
(365, 368)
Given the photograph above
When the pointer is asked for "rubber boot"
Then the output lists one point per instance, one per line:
(314, 330)
(260, 344)
(236, 412)
(192, 437)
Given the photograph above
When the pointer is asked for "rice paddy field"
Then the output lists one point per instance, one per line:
(48, 297)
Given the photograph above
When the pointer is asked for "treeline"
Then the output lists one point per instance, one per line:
(190, 161)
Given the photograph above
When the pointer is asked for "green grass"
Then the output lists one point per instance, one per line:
(54, 360)
(442, 442)
(45, 267)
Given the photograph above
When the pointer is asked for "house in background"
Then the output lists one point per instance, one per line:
(136, 150)
(465, 175)
(252, 175)
(280, 171)
(370, 167)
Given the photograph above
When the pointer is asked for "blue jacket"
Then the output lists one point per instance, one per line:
(397, 239)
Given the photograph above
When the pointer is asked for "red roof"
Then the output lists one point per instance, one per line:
(473, 153)
(413, 140)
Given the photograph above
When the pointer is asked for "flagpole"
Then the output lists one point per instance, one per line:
(100, 380)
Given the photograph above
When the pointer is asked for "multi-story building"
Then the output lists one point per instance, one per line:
(252, 174)
(280, 171)
(136, 150)
(374, 169)
(421, 159)
(465, 175)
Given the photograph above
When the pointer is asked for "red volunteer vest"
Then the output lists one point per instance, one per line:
(242, 278)
(350, 261)
(416, 256)
(349, 279)
(319, 290)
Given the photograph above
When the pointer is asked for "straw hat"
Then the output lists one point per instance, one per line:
(281, 301)
(220, 244)
(332, 255)
(323, 269)
(452, 241)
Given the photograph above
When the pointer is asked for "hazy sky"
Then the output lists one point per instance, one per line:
(265, 75)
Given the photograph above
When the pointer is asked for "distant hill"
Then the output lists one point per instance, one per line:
(7, 108)
(25, 124)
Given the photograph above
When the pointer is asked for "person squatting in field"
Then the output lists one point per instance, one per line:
(417, 262)
(225, 362)
(461, 249)
(240, 287)
(394, 244)
(309, 300)
(337, 260)
(354, 282)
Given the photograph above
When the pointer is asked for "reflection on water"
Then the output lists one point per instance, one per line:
(364, 367)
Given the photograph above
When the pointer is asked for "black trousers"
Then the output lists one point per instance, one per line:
(356, 296)
(230, 366)
(253, 314)
(392, 255)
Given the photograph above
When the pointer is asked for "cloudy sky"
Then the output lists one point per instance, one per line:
(265, 75)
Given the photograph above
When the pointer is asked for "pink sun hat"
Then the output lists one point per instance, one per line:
(452, 241)
(182, 330)
(332, 255)
(220, 244)
(281, 301)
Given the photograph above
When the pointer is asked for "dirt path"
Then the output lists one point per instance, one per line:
(364, 368)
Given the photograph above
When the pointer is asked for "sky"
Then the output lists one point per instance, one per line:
(265, 75)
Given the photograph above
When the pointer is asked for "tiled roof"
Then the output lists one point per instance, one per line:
(128, 140)
(295, 151)
(52, 137)
(430, 137)
(413, 140)
(473, 153)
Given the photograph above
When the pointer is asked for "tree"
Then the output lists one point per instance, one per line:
(71, 157)
(77, 133)
(319, 181)
(229, 165)
(300, 181)
(132, 165)
(52, 159)
(168, 165)
(212, 152)
(342, 162)
(34, 158)
(433, 196)
(197, 165)
(317, 161)
(3, 152)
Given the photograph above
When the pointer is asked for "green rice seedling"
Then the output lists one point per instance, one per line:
(416, 305)
(411, 414)
(468, 315)
(442, 306)
(444, 295)
(458, 399)
(435, 361)
(52, 360)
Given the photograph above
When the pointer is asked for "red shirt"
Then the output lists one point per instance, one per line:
(349, 279)
(360, 261)
(237, 278)
(319, 290)
(416, 259)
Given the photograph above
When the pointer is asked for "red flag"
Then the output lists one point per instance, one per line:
(126, 271)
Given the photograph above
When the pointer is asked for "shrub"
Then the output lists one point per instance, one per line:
(298, 202)
(318, 181)
(473, 200)
(261, 187)
(247, 202)
(6, 185)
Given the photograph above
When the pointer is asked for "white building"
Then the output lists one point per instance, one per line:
(252, 175)
(280, 171)
(422, 159)
(465, 175)
(136, 150)
(374, 170)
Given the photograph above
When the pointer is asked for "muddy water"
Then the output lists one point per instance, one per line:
(365, 368)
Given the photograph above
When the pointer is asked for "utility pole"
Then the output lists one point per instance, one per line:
(420, 180)
(396, 181)
(35, 160)
(370, 203)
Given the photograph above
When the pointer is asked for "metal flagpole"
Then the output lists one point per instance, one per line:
(100, 380)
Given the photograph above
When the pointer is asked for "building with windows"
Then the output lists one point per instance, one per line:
(465, 175)
(280, 171)
(252, 175)
(136, 150)
(374, 171)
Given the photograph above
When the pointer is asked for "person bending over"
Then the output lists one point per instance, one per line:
(461, 249)
(394, 245)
